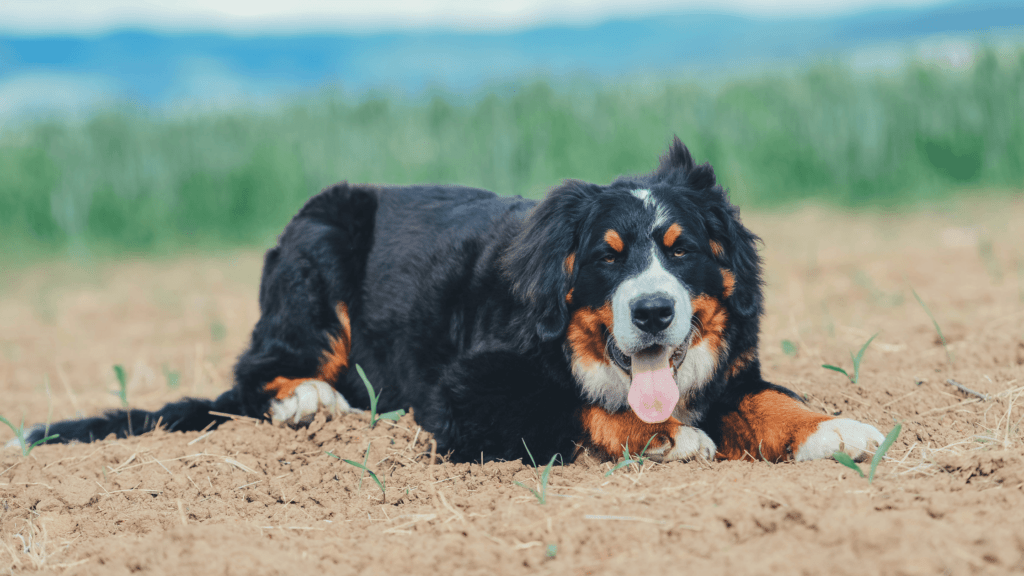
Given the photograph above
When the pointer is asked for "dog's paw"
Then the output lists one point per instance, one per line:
(306, 400)
(687, 444)
(858, 440)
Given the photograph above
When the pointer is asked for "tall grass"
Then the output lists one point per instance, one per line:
(131, 179)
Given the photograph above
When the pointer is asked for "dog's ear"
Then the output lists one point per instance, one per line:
(735, 247)
(540, 261)
(738, 251)
(678, 167)
(732, 245)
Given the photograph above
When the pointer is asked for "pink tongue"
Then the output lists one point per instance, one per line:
(653, 394)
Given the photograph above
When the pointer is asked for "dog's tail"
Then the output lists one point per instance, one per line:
(183, 415)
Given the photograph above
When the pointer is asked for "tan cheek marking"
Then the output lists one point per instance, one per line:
(717, 249)
(614, 240)
(767, 425)
(728, 283)
(741, 362)
(568, 297)
(672, 234)
(570, 261)
(711, 322)
(586, 333)
(609, 433)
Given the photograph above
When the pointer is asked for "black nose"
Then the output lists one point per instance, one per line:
(652, 315)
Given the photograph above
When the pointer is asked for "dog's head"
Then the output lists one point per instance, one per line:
(646, 279)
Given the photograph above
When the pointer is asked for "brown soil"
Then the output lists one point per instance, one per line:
(254, 499)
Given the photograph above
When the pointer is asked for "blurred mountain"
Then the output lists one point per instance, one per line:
(162, 68)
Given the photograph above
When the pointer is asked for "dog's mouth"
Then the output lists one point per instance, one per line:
(653, 392)
(625, 362)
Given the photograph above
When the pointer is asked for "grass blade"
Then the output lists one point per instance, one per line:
(945, 346)
(374, 396)
(43, 440)
(530, 454)
(532, 491)
(860, 355)
(19, 433)
(393, 415)
(880, 453)
(844, 459)
(373, 476)
(837, 369)
(621, 464)
(646, 446)
(542, 495)
(544, 477)
(122, 384)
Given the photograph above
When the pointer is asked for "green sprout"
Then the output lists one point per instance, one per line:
(122, 385)
(856, 363)
(789, 348)
(394, 415)
(627, 459)
(19, 433)
(845, 459)
(373, 476)
(945, 346)
(173, 377)
(542, 495)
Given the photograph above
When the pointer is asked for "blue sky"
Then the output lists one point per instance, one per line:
(304, 16)
(68, 56)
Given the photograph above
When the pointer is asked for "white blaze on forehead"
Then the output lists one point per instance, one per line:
(661, 215)
(655, 280)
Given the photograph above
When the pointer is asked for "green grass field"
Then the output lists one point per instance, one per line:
(133, 180)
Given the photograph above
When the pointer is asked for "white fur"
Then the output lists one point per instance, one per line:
(697, 369)
(690, 443)
(307, 399)
(655, 280)
(856, 439)
(602, 383)
(661, 215)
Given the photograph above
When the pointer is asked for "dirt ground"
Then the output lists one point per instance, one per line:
(251, 498)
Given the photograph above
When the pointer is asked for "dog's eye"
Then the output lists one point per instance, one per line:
(609, 259)
(678, 252)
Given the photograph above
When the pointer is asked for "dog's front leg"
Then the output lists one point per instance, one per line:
(611, 433)
(769, 424)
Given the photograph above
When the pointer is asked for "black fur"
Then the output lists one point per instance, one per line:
(458, 306)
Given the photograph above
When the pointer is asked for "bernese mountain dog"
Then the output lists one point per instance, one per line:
(599, 318)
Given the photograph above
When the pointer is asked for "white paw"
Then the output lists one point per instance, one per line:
(308, 398)
(856, 439)
(690, 443)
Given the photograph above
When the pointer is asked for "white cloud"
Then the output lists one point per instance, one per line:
(47, 16)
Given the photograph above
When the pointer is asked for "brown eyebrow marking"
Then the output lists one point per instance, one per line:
(672, 234)
(570, 261)
(717, 249)
(614, 240)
